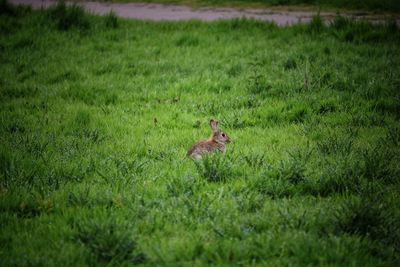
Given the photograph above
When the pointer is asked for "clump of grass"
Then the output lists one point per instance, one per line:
(388, 106)
(233, 120)
(111, 20)
(375, 165)
(352, 31)
(255, 161)
(84, 127)
(361, 217)
(269, 183)
(256, 82)
(120, 171)
(325, 107)
(187, 40)
(108, 243)
(393, 136)
(215, 167)
(316, 25)
(290, 64)
(186, 185)
(25, 204)
(335, 142)
(68, 17)
(235, 70)
(370, 218)
(297, 114)
(340, 179)
(294, 169)
(284, 179)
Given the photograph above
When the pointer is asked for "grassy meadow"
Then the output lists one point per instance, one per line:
(97, 114)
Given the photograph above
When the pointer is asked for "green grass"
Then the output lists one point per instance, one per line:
(356, 5)
(97, 114)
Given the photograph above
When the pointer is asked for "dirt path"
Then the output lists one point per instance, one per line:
(158, 12)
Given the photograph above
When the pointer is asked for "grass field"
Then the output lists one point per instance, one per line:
(97, 114)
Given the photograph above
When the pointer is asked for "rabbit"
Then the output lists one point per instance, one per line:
(216, 142)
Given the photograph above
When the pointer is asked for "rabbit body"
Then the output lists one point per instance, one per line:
(216, 142)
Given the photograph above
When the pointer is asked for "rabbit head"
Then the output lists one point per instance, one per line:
(217, 135)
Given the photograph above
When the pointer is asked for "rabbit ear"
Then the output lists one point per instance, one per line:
(214, 125)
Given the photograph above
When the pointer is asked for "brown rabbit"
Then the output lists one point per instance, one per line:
(216, 142)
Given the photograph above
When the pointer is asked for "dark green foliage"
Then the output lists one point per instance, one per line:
(393, 137)
(7, 9)
(373, 220)
(290, 64)
(187, 40)
(326, 107)
(108, 242)
(67, 17)
(111, 20)
(348, 30)
(316, 25)
(362, 217)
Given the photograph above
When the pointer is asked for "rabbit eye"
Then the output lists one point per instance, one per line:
(223, 135)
